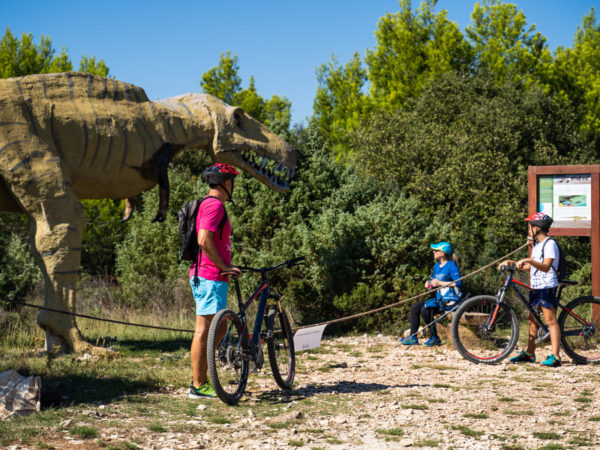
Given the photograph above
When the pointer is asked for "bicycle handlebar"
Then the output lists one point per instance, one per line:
(508, 268)
(289, 263)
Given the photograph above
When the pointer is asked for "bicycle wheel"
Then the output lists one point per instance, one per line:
(280, 345)
(227, 367)
(484, 331)
(580, 330)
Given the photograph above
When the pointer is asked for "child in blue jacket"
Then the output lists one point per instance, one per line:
(445, 273)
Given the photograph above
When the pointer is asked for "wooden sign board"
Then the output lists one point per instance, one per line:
(571, 196)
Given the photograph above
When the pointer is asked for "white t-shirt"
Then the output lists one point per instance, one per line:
(537, 278)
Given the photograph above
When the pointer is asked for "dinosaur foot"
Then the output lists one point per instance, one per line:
(64, 338)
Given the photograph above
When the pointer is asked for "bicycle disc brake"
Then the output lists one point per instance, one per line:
(233, 357)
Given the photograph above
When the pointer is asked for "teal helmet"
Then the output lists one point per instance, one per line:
(443, 246)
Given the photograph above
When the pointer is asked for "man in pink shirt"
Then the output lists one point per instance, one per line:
(214, 258)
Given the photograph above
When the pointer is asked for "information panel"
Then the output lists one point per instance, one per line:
(567, 199)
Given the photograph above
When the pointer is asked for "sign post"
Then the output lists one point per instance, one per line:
(571, 196)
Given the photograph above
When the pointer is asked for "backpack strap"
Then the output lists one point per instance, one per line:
(223, 219)
(544, 245)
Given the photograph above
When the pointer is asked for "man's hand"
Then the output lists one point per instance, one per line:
(231, 270)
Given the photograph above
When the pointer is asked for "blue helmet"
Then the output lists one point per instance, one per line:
(443, 246)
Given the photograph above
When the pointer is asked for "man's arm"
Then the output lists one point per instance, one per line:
(205, 241)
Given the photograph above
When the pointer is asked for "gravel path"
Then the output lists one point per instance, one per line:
(371, 392)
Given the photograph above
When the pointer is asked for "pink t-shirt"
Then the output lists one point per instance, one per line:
(209, 216)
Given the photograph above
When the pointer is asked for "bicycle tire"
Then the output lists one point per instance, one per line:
(280, 345)
(474, 340)
(228, 368)
(581, 340)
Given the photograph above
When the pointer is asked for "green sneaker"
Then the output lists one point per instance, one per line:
(522, 357)
(204, 391)
(552, 361)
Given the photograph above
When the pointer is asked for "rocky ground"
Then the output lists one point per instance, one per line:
(371, 392)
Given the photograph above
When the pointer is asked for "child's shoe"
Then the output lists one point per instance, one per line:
(552, 361)
(411, 340)
(522, 357)
(433, 340)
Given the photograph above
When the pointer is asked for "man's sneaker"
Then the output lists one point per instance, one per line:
(522, 357)
(433, 340)
(204, 391)
(411, 340)
(552, 361)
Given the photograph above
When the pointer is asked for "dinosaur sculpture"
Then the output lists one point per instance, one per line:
(69, 136)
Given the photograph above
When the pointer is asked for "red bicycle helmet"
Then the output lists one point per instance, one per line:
(540, 219)
(217, 173)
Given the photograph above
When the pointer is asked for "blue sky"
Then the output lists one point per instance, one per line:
(165, 47)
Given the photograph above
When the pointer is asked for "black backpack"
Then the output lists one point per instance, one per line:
(188, 235)
(562, 272)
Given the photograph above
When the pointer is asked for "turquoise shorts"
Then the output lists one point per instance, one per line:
(210, 296)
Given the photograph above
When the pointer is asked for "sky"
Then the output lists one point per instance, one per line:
(165, 46)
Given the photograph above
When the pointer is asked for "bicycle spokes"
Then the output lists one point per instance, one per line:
(227, 362)
(485, 331)
(580, 334)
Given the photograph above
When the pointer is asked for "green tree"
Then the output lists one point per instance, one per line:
(463, 147)
(340, 104)
(19, 57)
(503, 43)
(577, 70)
(412, 47)
(89, 65)
(223, 80)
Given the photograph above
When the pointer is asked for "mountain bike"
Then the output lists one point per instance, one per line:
(485, 328)
(233, 353)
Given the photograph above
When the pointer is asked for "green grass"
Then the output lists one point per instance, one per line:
(295, 443)
(476, 416)
(426, 443)
(546, 435)
(467, 431)
(511, 412)
(594, 419)
(415, 406)
(583, 400)
(391, 431)
(507, 399)
(84, 432)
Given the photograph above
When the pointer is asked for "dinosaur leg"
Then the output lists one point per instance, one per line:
(38, 179)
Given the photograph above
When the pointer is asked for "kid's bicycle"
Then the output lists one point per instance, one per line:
(485, 328)
(233, 353)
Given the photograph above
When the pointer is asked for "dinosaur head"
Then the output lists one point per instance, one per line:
(240, 140)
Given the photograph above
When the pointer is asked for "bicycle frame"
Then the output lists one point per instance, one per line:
(510, 282)
(264, 291)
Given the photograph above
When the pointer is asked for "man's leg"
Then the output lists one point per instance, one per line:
(198, 350)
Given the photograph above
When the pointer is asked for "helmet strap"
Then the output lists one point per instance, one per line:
(230, 199)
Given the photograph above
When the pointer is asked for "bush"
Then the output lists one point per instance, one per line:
(19, 273)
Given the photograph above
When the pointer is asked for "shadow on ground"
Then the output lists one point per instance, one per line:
(343, 387)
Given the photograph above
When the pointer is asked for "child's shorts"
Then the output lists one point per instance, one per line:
(546, 298)
(210, 296)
